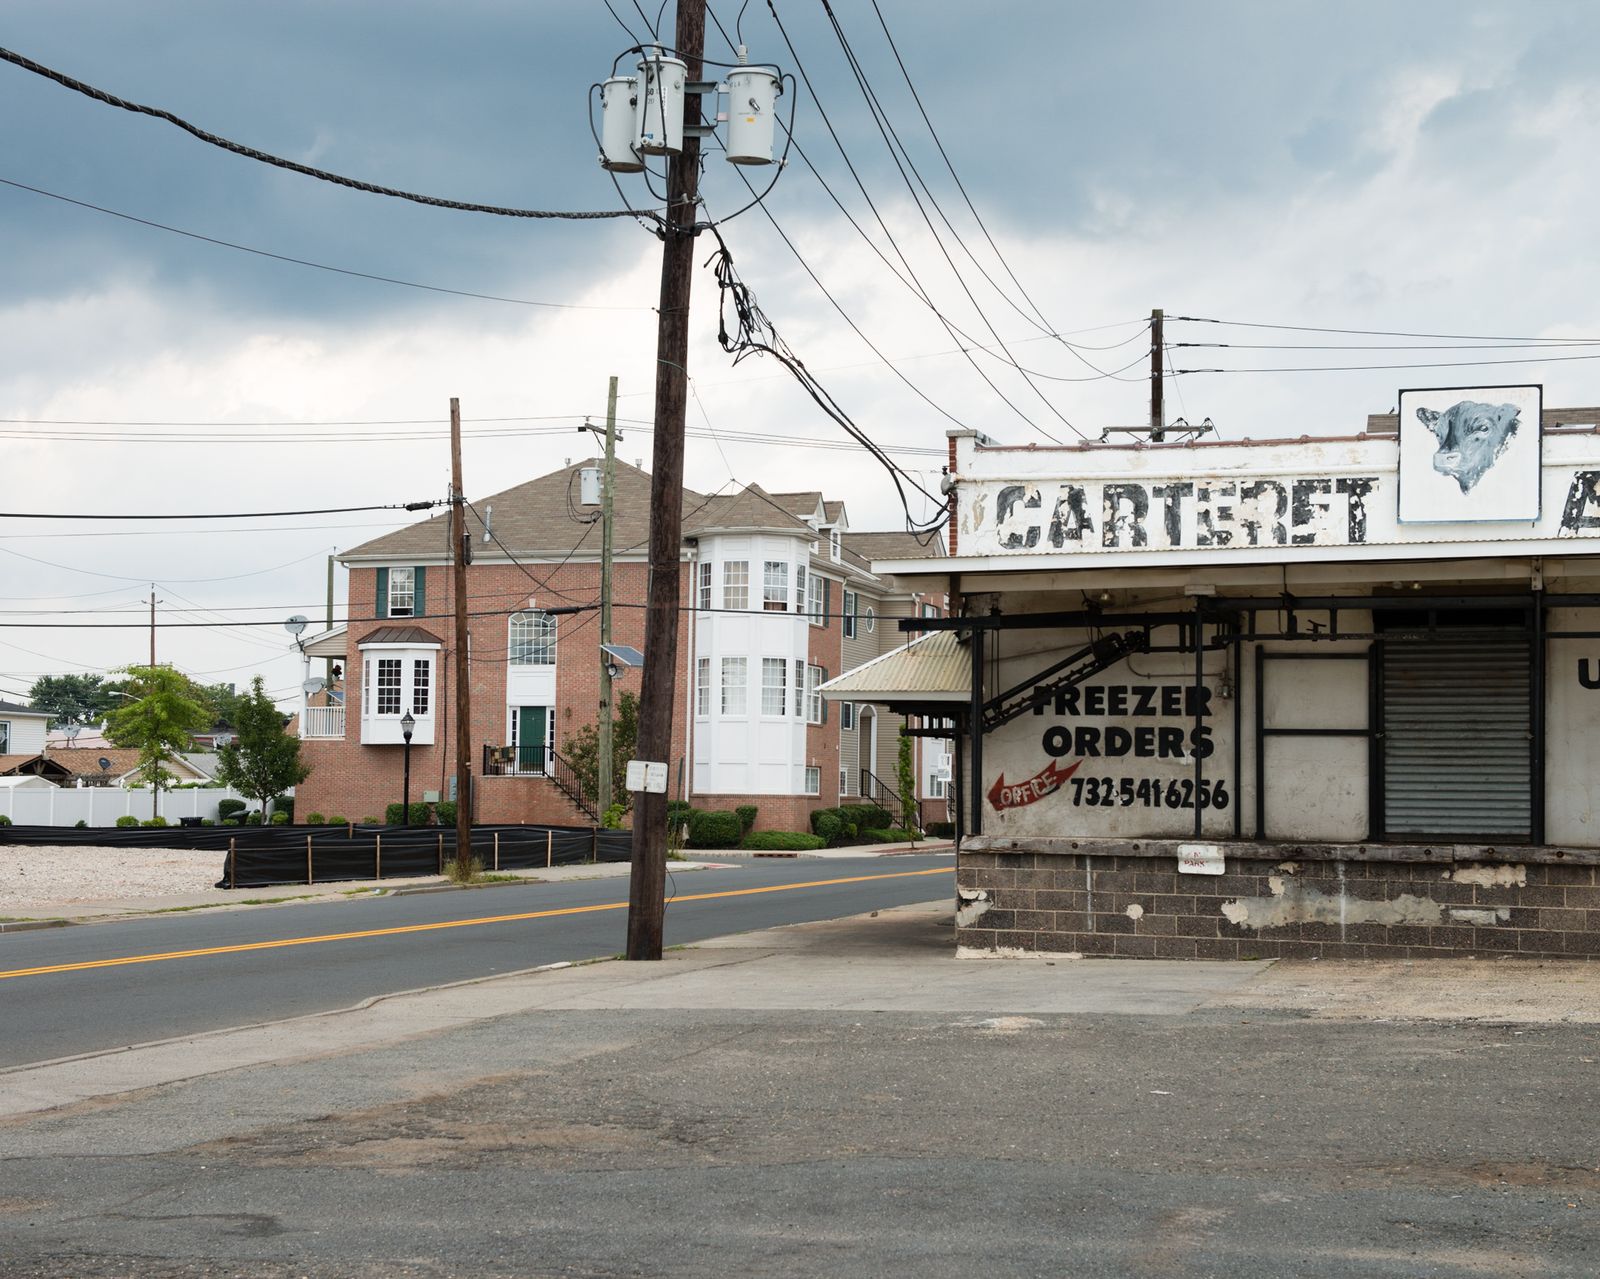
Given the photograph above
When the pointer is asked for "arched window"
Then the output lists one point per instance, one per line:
(533, 639)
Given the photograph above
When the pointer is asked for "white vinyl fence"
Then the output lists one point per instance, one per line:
(102, 805)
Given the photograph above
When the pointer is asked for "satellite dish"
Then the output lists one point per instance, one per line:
(295, 624)
(72, 729)
(313, 685)
(105, 764)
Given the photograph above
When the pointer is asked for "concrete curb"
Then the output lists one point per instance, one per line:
(29, 925)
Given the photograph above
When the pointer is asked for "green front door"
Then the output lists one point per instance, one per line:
(530, 739)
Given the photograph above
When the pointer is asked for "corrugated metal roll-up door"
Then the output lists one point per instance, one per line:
(1455, 733)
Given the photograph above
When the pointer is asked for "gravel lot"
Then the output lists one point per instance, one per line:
(49, 874)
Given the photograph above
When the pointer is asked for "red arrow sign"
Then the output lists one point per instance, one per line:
(1046, 781)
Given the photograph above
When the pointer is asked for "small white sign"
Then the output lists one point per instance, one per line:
(1200, 859)
(645, 776)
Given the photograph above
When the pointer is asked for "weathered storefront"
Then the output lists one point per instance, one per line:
(1314, 696)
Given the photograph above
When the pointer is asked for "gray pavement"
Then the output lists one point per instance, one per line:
(842, 1098)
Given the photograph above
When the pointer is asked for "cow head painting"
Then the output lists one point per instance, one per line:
(1471, 437)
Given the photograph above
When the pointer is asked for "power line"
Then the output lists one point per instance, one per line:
(222, 515)
(251, 153)
(1556, 344)
(123, 577)
(1436, 364)
(1380, 333)
(306, 262)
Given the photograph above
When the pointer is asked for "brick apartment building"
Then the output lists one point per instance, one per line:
(778, 597)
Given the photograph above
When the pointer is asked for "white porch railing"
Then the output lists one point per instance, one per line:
(322, 721)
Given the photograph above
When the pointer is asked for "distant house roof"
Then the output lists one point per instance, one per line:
(85, 762)
(897, 544)
(30, 765)
(14, 708)
(58, 739)
(400, 635)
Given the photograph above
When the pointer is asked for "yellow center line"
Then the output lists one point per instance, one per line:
(450, 923)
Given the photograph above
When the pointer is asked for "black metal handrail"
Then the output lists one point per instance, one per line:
(565, 776)
(540, 761)
(871, 784)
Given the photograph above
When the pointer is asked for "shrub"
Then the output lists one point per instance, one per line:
(154, 821)
(394, 815)
(283, 804)
(827, 826)
(818, 814)
(227, 808)
(338, 821)
(941, 830)
(253, 818)
(867, 816)
(420, 814)
(892, 835)
(280, 819)
(365, 821)
(315, 819)
(787, 841)
(611, 819)
(80, 824)
(229, 821)
(4, 820)
(128, 820)
(206, 821)
(446, 808)
(746, 814)
(715, 828)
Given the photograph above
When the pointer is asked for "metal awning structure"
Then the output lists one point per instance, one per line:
(931, 674)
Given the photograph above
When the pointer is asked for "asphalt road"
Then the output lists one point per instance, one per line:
(61, 1013)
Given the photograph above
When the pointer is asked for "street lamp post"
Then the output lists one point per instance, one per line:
(407, 726)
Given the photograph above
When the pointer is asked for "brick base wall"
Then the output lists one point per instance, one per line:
(1127, 898)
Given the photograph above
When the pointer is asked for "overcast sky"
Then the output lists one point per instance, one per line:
(1420, 167)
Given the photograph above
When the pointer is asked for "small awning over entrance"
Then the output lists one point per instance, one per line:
(932, 668)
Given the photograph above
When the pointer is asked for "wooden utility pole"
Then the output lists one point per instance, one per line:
(609, 480)
(458, 557)
(647, 887)
(1158, 405)
(328, 663)
(152, 626)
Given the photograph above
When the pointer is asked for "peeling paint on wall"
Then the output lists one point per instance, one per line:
(1489, 876)
(971, 905)
(1295, 902)
(1134, 911)
(1480, 915)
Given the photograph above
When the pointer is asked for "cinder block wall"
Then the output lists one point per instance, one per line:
(1127, 898)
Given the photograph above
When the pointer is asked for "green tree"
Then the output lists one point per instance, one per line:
(160, 712)
(73, 699)
(265, 760)
(225, 702)
(906, 775)
(582, 750)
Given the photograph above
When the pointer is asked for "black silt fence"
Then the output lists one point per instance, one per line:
(254, 857)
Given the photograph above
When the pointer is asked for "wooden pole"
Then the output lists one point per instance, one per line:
(233, 865)
(377, 856)
(1158, 404)
(647, 883)
(458, 556)
(610, 479)
(549, 849)
(497, 850)
(309, 875)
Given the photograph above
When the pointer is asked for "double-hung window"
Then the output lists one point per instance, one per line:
(421, 685)
(847, 715)
(850, 598)
(799, 588)
(834, 545)
(775, 586)
(736, 584)
(402, 592)
(702, 674)
(813, 696)
(705, 586)
(774, 685)
(799, 690)
(389, 685)
(816, 587)
(734, 677)
(813, 782)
